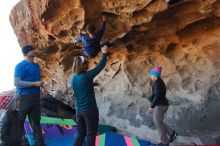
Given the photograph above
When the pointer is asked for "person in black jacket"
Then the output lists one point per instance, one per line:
(9, 123)
(159, 106)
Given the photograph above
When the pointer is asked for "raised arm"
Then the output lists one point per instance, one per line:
(94, 72)
(102, 28)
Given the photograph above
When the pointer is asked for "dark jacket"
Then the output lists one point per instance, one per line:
(158, 97)
(9, 129)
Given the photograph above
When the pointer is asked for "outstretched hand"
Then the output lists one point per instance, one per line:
(82, 31)
(105, 49)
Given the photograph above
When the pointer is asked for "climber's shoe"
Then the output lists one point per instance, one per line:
(173, 136)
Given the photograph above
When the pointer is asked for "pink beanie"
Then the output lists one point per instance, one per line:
(156, 71)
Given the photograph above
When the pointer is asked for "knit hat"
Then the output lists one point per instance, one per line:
(8, 103)
(26, 49)
(156, 71)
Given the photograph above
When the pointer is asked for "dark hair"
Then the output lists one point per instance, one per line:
(91, 29)
(27, 49)
(78, 65)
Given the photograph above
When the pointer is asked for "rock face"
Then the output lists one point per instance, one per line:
(181, 36)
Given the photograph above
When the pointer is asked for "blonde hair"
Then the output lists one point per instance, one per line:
(78, 65)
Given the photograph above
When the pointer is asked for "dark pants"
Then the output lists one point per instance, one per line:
(87, 125)
(102, 44)
(30, 105)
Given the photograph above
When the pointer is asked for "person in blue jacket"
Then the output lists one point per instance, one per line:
(91, 41)
(87, 113)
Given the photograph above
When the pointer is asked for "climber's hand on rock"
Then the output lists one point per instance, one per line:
(150, 110)
(82, 31)
(105, 49)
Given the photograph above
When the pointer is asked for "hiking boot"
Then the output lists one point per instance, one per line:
(161, 144)
(173, 136)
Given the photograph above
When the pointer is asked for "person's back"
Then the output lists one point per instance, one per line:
(83, 86)
(9, 129)
(86, 108)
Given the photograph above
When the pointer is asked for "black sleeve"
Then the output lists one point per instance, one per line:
(150, 98)
(94, 72)
(156, 94)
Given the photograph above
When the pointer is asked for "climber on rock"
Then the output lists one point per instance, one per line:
(159, 106)
(91, 40)
(87, 113)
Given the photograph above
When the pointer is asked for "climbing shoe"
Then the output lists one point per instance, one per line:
(173, 136)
